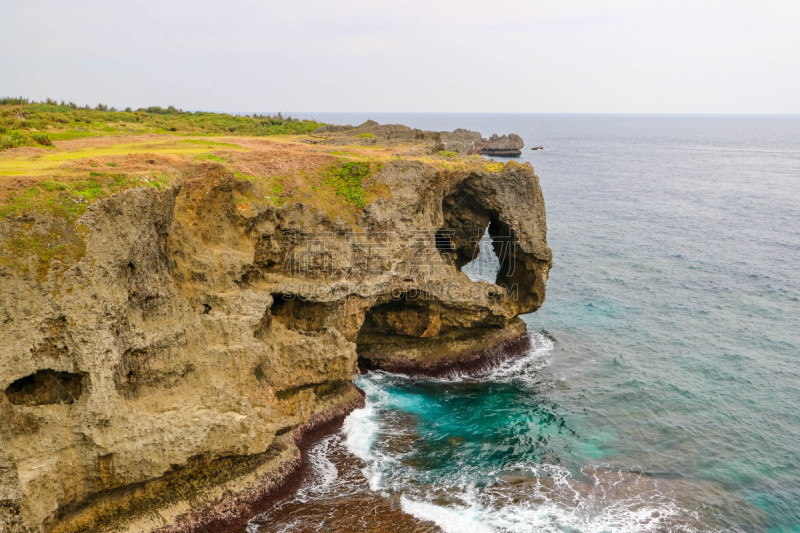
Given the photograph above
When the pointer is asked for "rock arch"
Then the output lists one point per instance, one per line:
(509, 208)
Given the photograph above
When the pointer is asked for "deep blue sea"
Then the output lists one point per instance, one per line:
(662, 391)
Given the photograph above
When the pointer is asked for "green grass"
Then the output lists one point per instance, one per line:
(20, 120)
(213, 157)
(270, 188)
(364, 135)
(275, 192)
(448, 154)
(210, 143)
(70, 199)
(493, 166)
(58, 235)
(347, 180)
(51, 162)
(341, 153)
(243, 176)
(13, 138)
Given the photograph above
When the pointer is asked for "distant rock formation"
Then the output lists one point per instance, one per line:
(505, 146)
(461, 141)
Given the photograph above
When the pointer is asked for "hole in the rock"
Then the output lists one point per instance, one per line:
(486, 265)
(503, 242)
(206, 309)
(298, 313)
(465, 222)
(281, 300)
(45, 387)
(474, 238)
(470, 234)
(409, 315)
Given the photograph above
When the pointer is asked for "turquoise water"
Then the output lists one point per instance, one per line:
(663, 388)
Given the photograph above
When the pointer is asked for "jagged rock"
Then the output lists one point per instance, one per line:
(193, 345)
(461, 141)
(506, 146)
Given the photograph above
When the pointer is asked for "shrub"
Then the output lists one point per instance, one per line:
(13, 139)
(68, 120)
(42, 138)
(11, 100)
(347, 180)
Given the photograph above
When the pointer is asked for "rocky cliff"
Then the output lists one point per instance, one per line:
(166, 375)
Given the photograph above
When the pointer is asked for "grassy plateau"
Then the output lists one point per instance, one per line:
(56, 159)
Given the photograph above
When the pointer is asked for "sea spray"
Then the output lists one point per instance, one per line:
(469, 495)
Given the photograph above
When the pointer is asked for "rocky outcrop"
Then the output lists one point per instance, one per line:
(169, 376)
(503, 146)
(460, 141)
(467, 350)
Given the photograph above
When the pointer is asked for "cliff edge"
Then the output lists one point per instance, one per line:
(168, 345)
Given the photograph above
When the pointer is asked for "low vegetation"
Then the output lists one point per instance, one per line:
(347, 180)
(17, 138)
(212, 157)
(27, 123)
(69, 199)
(44, 190)
(57, 236)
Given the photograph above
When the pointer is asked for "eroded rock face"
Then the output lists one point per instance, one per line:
(504, 146)
(45, 387)
(190, 333)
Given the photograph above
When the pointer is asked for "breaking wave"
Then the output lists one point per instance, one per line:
(477, 492)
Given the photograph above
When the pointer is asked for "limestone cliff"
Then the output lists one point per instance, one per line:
(167, 376)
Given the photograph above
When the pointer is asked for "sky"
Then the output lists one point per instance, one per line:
(516, 56)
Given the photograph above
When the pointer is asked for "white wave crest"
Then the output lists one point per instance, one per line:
(449, 519)
(361, 429)
(324, 471)
(555, 504)
(549, 500)
(522, 369)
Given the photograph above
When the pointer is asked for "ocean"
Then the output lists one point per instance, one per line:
(662, 389)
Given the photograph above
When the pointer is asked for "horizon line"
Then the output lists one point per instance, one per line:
(574, 113)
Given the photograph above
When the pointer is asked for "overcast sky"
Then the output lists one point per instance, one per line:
(606, 56)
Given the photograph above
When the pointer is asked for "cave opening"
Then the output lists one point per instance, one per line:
(281, 301)
(410, 314)
(296, 312)
(485, 265)
(45, 387)
(475, 239)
